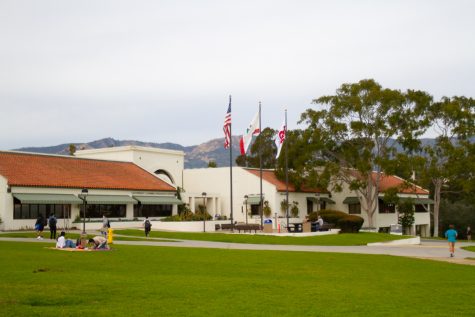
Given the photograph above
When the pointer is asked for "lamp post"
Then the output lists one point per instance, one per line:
(204, 211)
(246, 197)
(318, 201)
(83, 196)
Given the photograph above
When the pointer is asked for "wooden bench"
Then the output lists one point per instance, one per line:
(248, 227)
(226, 226)
(325, 227)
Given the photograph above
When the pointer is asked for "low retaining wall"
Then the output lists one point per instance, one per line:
(410, 241)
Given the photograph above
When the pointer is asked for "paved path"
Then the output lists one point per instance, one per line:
(428, 249)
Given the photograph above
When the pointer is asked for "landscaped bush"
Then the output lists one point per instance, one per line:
(347, 223)
(350, 223)
(188, 216)
(332, 216)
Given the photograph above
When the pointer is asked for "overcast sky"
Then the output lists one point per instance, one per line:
(162, 71)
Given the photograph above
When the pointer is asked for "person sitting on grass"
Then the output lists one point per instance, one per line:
(99, 242)
(63, 242)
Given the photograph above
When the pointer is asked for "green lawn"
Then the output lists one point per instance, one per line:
(469, 248)
(338, 239)
(164, 281)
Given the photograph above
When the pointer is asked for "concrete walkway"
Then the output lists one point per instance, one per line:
(428, 249)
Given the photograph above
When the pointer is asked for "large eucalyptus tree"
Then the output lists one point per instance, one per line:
(354, 134)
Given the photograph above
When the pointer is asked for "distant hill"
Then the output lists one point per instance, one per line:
(196, 156)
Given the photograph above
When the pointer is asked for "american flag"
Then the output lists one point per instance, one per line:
(227, 126)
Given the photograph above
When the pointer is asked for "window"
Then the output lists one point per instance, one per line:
(255, 210)
(420, 208)
(97, 211)
(323, 205)
(153, 210)
(309, 206)
(354, 209)
(32, 211)
(385, 208)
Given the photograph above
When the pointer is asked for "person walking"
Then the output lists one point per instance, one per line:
(40, 226)
(52, 226)
(451, 236)
(469, 233)
(105, 225)
(147, 226)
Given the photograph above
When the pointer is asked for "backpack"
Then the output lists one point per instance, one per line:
(148, 225)
(52, 221)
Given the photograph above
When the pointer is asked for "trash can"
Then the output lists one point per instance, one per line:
(268, 226)
(306, 227)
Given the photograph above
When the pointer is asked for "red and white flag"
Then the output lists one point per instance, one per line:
(280, 138)
(252, 129)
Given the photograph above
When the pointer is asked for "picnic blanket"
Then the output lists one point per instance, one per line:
(76, 250)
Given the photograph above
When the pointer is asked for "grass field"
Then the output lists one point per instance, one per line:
(344, 239)
(469, 248)
(165, 281)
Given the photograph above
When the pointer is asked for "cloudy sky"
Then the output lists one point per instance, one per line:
(162, 71)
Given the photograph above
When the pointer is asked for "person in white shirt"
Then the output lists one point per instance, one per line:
(63, 242)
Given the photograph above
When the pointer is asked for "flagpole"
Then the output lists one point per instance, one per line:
(231, 168)
(260, 168)
(286, 170)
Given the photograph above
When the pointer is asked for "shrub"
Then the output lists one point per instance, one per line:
(294, 210)
(350, 223)
(188, 216)
(347, 223)
(267, 210)
(332, 216)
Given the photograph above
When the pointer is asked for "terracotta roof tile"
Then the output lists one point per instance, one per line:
(391, 181)
(269, 176)
(387, 181)
(25, 169)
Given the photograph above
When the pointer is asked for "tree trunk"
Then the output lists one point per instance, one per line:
(371, 199)
(437, 189)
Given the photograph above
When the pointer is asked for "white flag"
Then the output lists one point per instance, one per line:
(280, 138)
(252, 129)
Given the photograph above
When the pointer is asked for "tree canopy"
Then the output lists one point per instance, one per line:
(357, 131)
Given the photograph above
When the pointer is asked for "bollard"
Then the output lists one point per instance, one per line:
(110, 236)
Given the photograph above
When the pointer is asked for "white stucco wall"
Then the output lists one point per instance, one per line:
(4, 203)
(215, 181)
(150, 159)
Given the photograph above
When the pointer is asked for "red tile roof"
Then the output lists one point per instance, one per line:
(386, 182)
(25, 169)
(390, 181)
(269, 176)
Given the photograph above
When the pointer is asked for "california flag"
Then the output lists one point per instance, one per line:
(280, 138)
(252, 129)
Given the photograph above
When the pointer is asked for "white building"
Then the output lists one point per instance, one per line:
(34, 184)
(130, 182)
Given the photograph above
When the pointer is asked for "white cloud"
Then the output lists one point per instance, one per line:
(162, 70)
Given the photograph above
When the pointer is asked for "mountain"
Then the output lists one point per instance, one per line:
(196, 156)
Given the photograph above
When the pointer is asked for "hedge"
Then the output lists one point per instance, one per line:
(347, 223)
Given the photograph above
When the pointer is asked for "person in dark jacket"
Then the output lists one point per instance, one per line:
(52, 221)
(40, 226)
